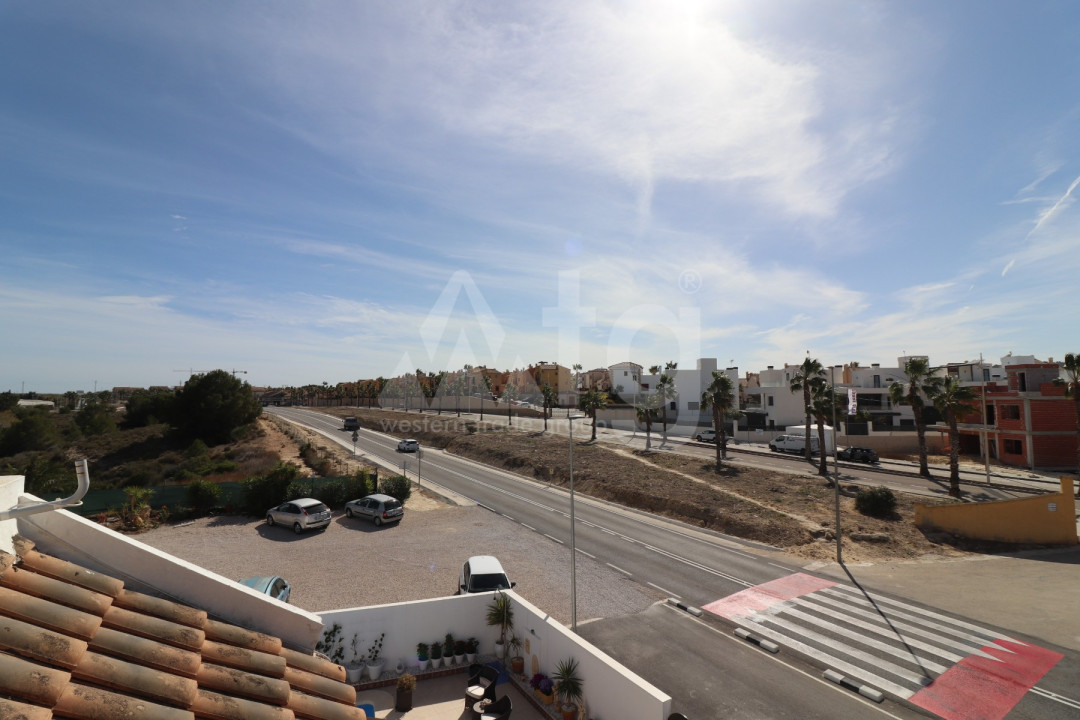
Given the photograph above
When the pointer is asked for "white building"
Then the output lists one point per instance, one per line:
(685, 410)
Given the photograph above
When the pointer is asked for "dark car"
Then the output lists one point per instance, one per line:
(377, 508)
(858, 454)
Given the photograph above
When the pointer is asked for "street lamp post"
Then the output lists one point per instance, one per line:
(573, 534)
(836, 472)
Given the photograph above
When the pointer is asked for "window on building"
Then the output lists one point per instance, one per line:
(1010, 412)
(1021, 382)
(692, 406)
(986, 374)
(673, 405)
(877, 382)
(991, 414)
(770, 400)
(1013, 447)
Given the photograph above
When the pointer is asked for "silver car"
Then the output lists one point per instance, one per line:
(300, 514)
(409, 445)
(377, 508)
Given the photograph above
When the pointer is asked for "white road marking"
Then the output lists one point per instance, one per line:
(615, 567)
(667, 592)
(528, 526)
(554, 538)
(585, 553)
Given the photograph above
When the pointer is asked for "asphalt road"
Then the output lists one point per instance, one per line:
(700, 567)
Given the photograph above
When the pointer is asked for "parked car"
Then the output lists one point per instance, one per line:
(408, 446)
(706, 436)
(351, 423)
(858, 454)
(793, 444)
(377, 508)
(272, 585)
(482, 573)
(301, 514)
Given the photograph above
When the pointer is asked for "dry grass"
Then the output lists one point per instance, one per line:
(794, 512)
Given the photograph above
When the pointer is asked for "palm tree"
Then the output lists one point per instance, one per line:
(550, 396)
(590, 402)
(920, 384)
(508, 395)
(666, 390)
(720, 399)
(1071, 381)
(953, 399)
(807, 378)
(646, 410)
(822, 407)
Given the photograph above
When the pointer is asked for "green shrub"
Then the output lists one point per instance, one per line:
(879, 502)
(397, 486)
(203, 495)
(265, 491)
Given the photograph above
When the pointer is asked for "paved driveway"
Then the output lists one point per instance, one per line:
(352, 563)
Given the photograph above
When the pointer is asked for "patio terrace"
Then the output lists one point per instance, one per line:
(442, 697)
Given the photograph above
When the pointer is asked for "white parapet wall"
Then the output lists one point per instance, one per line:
(611, 690)
(141, 567)
(11, 488)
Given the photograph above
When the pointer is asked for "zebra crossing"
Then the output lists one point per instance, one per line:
(956, 669)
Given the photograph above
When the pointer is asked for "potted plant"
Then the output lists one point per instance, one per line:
(374, 666)
(354, 670)
(422, 655)
(500, 614)
(517, 662)
(448, 649)
(543, 687)
(405, 686)
(568, 687)
(472, 645)
(436, 654)
(459, 651)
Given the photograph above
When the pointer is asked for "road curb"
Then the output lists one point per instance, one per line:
(865, 690)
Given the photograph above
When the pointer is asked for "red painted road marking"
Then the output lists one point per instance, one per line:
(980, 689)
(762, 597)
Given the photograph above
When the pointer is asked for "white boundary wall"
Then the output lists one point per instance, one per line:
(73, 538)
(611, 690)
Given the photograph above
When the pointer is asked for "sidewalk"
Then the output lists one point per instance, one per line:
(1032, 593)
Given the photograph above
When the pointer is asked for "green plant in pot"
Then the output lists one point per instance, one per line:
(568, 687)
(436, 654)
(405, 686)
(517, 662)
(422, 651)
(374, 666)
(448, 648)
(500, 614)
(472, 646)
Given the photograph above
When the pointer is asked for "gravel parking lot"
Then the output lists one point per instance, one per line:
(352, 563)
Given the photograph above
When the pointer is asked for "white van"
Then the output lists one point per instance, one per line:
(794, 444)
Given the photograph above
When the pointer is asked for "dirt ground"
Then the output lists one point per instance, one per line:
(794, 512)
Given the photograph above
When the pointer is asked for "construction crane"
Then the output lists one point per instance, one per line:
(191, 372)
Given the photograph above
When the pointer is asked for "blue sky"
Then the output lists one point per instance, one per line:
(337, 190)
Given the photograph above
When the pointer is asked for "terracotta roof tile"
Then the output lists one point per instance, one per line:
(63, 593)
(36, 643)
(127, 677)
(88, 703)
(146, 652)
(233, 635)
(164, 609)
(318, 685)
(223, 707)
(165, 631)
(244, 659)
(13, 710)
(31, 682)
(244, 684)
(48, 614)
(136, 656)
(314, 664)
(64, 570)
